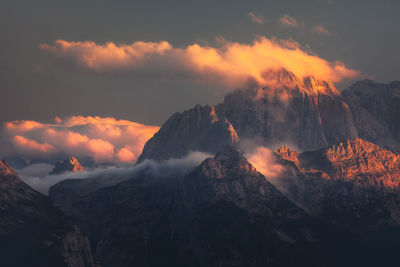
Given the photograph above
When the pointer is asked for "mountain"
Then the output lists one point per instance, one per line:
(353, 184)
(200, 128)
(35, 233)
(70, 164)
(379, 103)
(222, 213)
(307, 114)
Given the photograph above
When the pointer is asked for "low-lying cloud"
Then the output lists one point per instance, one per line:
(103, 140)
(264, 161)
(102, 177)
(231, 64)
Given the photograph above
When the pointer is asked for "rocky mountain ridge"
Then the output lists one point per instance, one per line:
(354, 183)
(225, 213)
(70, 164)
(306, 114)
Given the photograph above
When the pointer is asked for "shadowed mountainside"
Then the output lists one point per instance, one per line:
(35, 233)
(223, 213)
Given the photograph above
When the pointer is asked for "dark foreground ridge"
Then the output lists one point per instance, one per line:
(223, 213)
(35, 233)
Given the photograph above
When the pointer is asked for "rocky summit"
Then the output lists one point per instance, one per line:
(353, 183)
(307, 114)
(70, 164)
(198, 129)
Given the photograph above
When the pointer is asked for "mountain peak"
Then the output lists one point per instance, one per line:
(5, 169)
(70, 164)
(283, 81)
(202, 128)
(316, 86)
(228, 162)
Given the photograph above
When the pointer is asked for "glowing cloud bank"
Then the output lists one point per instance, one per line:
(230, 64)
(105, 140)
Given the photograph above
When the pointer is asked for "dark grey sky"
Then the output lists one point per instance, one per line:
(34, 85)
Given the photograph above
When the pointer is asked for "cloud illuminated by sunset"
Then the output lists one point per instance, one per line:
(230, 64)
(105, 140)
(321, 30)
(288, 21)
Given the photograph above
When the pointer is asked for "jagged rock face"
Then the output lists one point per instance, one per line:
(308, 114)
(354, 183)
(230, 177)
(223, 213)
(33, 232)
(356, 160)
(198, 129)
(71, 164)
(380, 102)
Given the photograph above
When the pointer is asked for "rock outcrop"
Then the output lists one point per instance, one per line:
(70, 164)
(33, 232)
(354, 183)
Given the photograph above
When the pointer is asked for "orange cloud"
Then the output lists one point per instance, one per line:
(288, 21)
(321, 30)
(109, 55)
(264, 161)
(105, 140)
(31, 147)
(256, 19)
(231, 64)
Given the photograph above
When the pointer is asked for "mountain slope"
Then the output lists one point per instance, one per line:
(307, 114)
(354, 183)
(223, 213)
(198, 129)
(381, 103)
(33, 232)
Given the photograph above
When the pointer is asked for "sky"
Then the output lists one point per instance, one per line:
(162, 72)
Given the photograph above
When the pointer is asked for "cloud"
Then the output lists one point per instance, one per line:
(231, 64)
(321, 30)
(110, 54)
(100, 177)
(256, 19)
(104, 140)
(264, 161)
(36, 170)
(288, 21)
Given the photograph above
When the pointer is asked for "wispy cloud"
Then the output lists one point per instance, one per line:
(321, 30)
(258, 19)
(288, 21)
